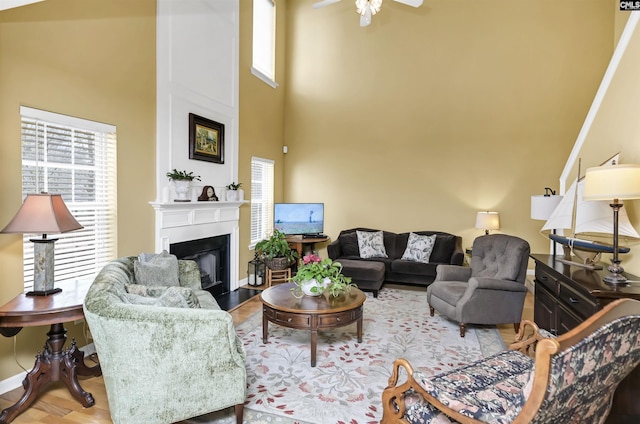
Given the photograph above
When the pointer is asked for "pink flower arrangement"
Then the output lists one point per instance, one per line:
(311, 258)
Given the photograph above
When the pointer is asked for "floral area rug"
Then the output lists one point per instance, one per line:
(347, 383)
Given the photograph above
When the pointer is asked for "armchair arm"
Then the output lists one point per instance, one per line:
(493, 284)
(452, 273)
(170, 355)
(334, 251)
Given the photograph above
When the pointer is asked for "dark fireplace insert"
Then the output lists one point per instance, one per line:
(212, 256)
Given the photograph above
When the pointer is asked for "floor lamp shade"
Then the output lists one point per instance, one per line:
(43, 214)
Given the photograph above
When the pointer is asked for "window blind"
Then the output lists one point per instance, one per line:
(261, 198)
(77, 159)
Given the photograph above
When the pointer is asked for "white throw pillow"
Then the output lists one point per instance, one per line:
(371, 244)
(419, 248)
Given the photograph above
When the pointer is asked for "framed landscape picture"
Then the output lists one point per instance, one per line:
(206, 139)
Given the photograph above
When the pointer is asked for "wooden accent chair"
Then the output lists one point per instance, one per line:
(541, 379)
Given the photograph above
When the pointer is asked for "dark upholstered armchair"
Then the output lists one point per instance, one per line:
(571, 380)
(491, 291)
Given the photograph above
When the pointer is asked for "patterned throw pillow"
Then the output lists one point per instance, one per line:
(157, 270)
(419, 248)
(371, 244)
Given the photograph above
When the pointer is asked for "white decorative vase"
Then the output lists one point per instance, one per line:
(232, 195)
(182, 190)
(315, 288)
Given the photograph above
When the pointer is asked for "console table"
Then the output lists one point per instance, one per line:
(55, 363)
(565, 296)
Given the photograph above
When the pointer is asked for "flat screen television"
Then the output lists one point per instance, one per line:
(299, 218)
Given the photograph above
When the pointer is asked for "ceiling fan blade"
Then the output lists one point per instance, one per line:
(414, 3)
(365, 19)
(323, 3)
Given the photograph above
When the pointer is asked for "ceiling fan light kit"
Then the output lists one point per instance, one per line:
(367, 8)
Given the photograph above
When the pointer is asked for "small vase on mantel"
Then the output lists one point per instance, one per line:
(232, 196)
(182, 190)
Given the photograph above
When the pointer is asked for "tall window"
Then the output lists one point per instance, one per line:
(77, 159)
(264, 41)
(261, 198)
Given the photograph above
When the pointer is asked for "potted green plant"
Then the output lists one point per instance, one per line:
(316, 275)
(182, 180)
(275, 251)
(234, 192)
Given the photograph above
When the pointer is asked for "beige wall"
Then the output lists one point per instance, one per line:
(93, 59)
(261, 118)
(429, 115)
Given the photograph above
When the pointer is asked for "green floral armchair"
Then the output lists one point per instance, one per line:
(163, 364)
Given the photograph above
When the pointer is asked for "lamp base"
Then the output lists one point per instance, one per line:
(43, 292)
(615, 277)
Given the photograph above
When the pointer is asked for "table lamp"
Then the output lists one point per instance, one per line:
(43, 214)
(486, 221)
(613, 183)
(542, 206)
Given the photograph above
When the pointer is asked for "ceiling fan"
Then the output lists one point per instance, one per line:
(367, 8)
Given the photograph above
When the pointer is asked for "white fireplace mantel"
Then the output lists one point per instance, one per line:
(185, 221)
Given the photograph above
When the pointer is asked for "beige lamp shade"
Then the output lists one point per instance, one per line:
(486, 220)
(612, 182)
(42, 214)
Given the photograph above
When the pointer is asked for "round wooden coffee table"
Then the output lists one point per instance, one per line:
(310, 313)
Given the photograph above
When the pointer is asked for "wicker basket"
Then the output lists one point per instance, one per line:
(278, 263)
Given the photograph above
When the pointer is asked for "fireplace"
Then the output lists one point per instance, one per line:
(212, 256)
(180, 224)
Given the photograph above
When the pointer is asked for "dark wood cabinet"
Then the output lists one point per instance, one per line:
(567, 295)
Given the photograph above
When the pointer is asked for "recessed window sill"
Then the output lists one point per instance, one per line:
(264, 78)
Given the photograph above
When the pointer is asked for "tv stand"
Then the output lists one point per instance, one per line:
(300, 243)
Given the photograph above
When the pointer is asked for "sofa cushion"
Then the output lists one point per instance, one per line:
(371, 244)
(174, 296)
(443, 249)
(157, 270)
(419, 248)
(349, 245)
(400, 266)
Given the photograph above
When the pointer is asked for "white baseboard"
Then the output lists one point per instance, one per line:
(14, 382)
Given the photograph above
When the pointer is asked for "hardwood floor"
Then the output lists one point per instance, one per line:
(56, 406)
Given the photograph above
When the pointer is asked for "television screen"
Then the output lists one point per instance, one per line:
(299, 218)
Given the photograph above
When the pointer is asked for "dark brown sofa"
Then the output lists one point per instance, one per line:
(368, 274)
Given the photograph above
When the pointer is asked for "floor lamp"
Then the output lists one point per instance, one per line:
(613, 183)
(43, 214)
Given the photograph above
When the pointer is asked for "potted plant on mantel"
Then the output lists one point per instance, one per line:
(182, 181)
(234, 192)
(316, 275)
(275, 251)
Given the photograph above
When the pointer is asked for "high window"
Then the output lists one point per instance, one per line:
(264, 41)
(261, 198)
(77, 159)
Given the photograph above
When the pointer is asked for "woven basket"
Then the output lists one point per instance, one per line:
(278, 263)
